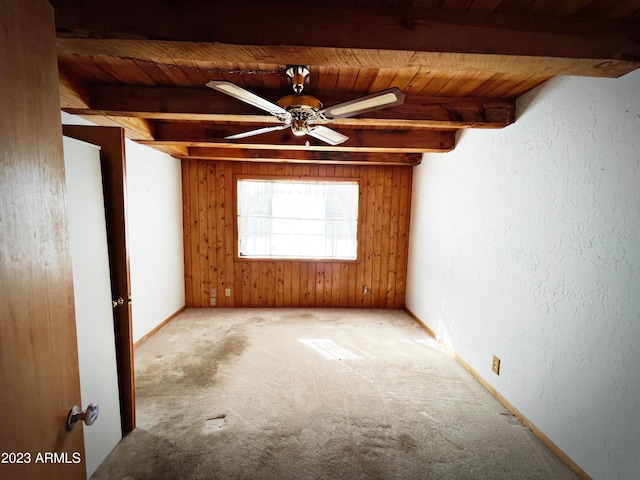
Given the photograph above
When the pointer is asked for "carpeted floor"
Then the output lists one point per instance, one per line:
(315, 394)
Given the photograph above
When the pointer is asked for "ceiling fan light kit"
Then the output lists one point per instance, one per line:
(303, 113)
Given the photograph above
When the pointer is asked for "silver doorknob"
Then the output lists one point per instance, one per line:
(89, 416)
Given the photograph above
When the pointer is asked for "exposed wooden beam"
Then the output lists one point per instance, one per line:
(136, 128)
(205, 104)
(75, 98)
(392, 29)
(303, 156)
(392, 141)
(177, 54)
(177, 151)
(352, 26)
(74, 93)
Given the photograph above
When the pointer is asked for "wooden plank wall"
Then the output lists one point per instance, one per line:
(209, 242)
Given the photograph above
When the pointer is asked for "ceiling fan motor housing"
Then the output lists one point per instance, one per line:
(303, 109)
(303, 101)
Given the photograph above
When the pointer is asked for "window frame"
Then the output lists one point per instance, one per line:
(289, 178)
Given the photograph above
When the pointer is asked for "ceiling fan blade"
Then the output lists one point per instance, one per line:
(327, 135)
(246, 96)
(258, 131)
(368, 103)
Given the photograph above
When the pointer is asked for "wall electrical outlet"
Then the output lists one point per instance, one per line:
(227, 292)
(495, 365)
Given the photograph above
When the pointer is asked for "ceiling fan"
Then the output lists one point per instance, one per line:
(303, 113)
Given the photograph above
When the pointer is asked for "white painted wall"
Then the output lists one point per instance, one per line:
(154, 196)
(525, 243)
(154, 228)
(92, 297)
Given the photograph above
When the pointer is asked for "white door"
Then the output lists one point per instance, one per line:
(92, 292)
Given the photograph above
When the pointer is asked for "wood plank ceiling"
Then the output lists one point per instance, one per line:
(461, 64)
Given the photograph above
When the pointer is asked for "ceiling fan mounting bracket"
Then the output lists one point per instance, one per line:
(298, 77)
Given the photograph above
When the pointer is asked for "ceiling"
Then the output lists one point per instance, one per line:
(461, 64)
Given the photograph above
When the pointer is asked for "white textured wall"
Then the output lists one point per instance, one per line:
(154, 196)
(154, 228)
(525, 243)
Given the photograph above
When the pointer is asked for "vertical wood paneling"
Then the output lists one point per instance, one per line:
(327, 277)
(352, 286)
(215, 227)
(210, 242)
(393, 234)
(279, 281)
(227, 206)
(272, 285)
(377, 236)
(403, 236)
(204, 232)
(186, 229)
(286, 284)
(344, 285)
(297, 284)
(370, 175)
(253, 284)
(320, 285)
(311, 286)
(195, 235)
(386, 254)
(220, 250)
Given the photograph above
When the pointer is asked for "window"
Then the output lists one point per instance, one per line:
(304, 219)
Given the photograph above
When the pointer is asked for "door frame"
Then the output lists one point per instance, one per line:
(114, 179)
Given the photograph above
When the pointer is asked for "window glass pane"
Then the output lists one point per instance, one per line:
(297, 219)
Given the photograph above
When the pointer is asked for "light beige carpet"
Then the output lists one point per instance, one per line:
(315, 394)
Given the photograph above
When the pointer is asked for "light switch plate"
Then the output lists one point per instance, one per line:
(495, 365)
